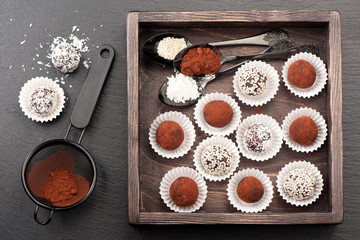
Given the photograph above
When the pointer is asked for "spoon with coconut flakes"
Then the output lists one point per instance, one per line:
(185, 95)
(162, 48)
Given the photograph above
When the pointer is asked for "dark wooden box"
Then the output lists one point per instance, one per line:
(146, 168)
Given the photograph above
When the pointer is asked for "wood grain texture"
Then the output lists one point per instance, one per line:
(328, 208)
(133, 116)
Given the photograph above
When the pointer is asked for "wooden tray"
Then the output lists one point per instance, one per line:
(146, 168)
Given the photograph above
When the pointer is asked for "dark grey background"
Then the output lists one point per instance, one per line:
(104, 214)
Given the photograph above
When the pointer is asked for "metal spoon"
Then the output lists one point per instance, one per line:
(203, 81)
(267, 39)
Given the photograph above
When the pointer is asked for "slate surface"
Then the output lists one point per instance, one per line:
(104, 214)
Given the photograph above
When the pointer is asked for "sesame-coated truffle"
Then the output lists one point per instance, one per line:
(216, 160)
(300, 184)
(253, 82)
(303, 130)
(257, 138)
(218, 113)
(184, 192)
(169, 135)
(301, 74)
(42, 100)
(250, 189)
(65, 58)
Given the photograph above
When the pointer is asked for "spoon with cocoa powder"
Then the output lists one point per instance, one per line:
(269, 54)
(200, 60)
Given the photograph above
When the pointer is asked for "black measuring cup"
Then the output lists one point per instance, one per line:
(80, 118)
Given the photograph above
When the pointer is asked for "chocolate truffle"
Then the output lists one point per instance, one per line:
(257, 138)
(184, 192)
(250, 190)
(216, 160)
(300, 184)
(65, 58)
(218, 113)
(253, 82)
(301, 74)
(42, 100)
(169, 135)
(303, 130)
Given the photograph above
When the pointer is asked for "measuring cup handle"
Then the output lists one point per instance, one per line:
(38, 220)
(92, 86)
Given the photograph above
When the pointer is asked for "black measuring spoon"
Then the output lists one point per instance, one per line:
(80, 118)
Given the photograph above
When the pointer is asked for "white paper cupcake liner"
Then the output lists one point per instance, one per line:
(276, 137)
(258, 206)
(186, 125)
(222, 141)
(272, 84)
(28, 89)
(207, 128)
(299, 165)
(171, 176)
(321, 75)
(319, 121)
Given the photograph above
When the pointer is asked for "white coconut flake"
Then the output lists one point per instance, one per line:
(74, 28)
(30, 25)
(86, 64)
(10, 67)
(23, 42)
(41, 46)
(182, 88)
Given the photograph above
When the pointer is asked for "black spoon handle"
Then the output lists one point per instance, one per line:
(91, 89)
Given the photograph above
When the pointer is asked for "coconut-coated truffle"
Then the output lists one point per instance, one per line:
(42, 100)
(257, 138)
(250, 189)
(253, 82)
(303, 130)
(300, 184)
(184, 192)
(65, 57)
(169, 135)
(216, 160)
(301, 74)
(218, 113)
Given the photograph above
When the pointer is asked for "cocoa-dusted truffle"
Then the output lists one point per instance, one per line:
(184, 192)
(250, 189)
(65, 57)
(301, 74)
(42, 100)
(216, 160)
(169, 135)
(257, 138)
(253, 82)
(303, 130)
(300, 184)
(218, 113)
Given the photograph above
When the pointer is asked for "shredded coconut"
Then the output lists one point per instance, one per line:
(169, 47)
(182, 88)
